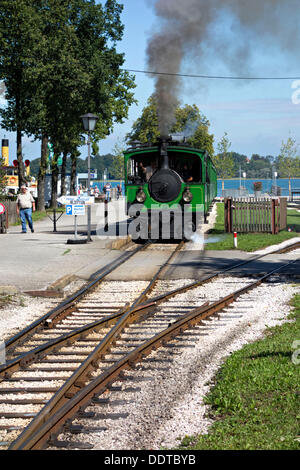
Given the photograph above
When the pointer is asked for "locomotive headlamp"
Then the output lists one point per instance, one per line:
(140, 196)
(187, 195)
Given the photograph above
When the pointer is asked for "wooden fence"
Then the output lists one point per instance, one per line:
(10, 214)
(250, 215)
(3, 223)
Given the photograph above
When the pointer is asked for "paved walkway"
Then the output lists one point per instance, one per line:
(33, 261)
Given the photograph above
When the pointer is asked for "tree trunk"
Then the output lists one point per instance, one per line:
(63, 174)
(21, 170)
(54, 181)
(73, 175)
(42, 174)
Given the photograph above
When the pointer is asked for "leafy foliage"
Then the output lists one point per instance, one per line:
(223, 160)
(188, 121)
(58, 60)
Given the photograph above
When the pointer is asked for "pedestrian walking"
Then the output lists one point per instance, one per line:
(107, 191)
(119, 191)
(25, 206)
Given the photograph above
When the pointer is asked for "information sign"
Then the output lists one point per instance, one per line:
(80, 199)
(75, 209)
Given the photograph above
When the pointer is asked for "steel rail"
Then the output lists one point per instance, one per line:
(69, 305)
(129, 314)
(28, 357)
(47, 423)
(40, 351)
(161, 298)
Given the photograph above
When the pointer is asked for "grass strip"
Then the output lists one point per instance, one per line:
(256, 397)
(251, 241)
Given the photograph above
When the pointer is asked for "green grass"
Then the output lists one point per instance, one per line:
(37, 215)
(251, 241)
(256, 397)
(5, 300)
(40, 215)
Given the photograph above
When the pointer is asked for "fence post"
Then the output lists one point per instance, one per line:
(273, 215)
(283, 213)
(228, 215)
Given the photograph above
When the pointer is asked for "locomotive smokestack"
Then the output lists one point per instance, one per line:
(163, 149)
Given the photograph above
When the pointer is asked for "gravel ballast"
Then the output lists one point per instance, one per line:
(173, 381)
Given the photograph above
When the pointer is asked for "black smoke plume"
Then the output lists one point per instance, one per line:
(189, 28)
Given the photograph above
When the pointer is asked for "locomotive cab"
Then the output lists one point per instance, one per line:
(167, 177)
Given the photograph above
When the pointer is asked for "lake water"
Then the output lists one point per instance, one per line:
(235, 184)
(266, 185)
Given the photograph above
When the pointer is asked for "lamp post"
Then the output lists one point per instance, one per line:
(89, 123)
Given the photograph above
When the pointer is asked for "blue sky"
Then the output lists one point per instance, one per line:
(257, 115)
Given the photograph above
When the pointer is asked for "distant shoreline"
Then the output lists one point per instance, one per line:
(258, 179)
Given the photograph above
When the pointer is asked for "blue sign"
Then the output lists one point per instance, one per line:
(69, 209)
(75, 209)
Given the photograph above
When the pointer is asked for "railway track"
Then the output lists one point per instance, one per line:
(90, 303)
(67, 324)
(84, 361)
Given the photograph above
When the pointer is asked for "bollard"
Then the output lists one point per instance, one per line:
(105, 216)
(235, 239)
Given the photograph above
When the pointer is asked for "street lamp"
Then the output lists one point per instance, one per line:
(89, 123)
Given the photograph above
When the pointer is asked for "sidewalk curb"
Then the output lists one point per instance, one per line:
(9, 290)
(62, 282)
(117, 244)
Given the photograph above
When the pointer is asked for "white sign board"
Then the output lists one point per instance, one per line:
(80, 199)
(75, 209)
(84, 176)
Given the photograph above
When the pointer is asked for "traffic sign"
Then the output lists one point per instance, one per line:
(80, 199)
(75, 209)
(2, 208)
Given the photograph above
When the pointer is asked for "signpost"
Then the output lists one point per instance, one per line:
(75, 205)
(75, 210)
(80, 199)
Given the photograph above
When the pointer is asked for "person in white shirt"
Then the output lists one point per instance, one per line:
(25, 206)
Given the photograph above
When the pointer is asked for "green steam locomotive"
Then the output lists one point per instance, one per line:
(169, 188)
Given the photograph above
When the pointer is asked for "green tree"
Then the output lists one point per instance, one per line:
(117, 166)
(145, 128)
(188, 121)
(73, 68)
(195, 127)
(288, 161)
(223, 159)
(18, 33)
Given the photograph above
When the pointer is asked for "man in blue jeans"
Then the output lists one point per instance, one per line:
(25, 206)
(107, 191)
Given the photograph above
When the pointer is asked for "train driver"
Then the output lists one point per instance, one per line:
(186, 174)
